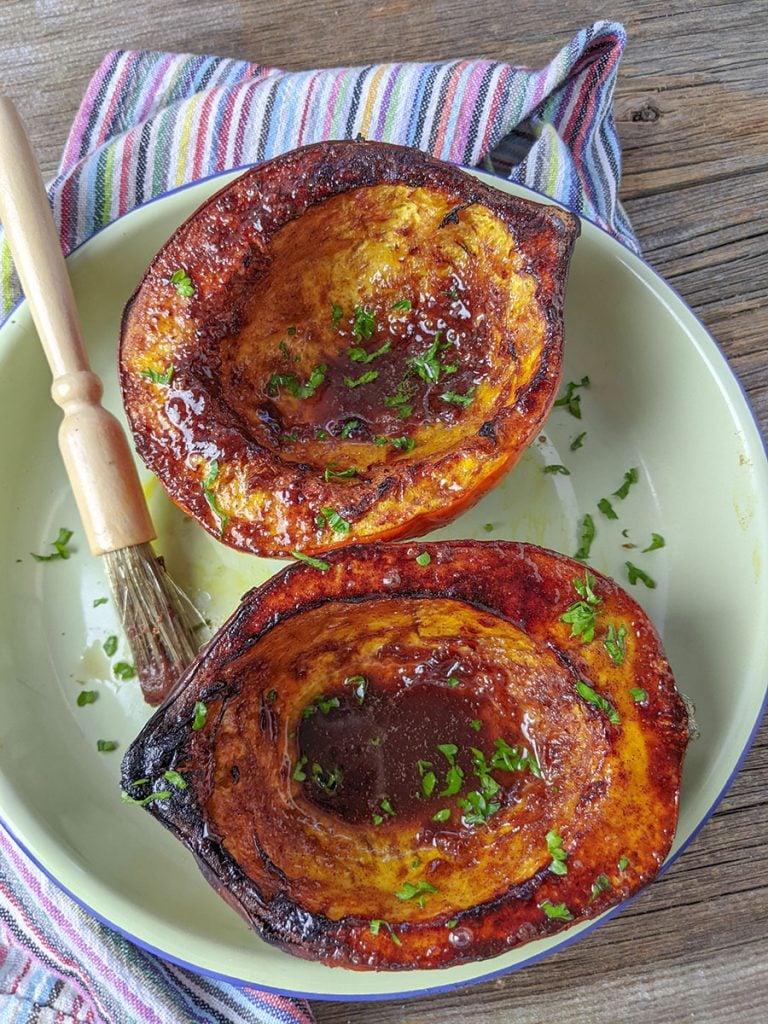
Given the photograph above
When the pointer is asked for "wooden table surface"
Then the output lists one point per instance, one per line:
(692, 110)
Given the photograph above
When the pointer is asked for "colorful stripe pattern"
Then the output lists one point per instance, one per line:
(59, 964)
(152, 121)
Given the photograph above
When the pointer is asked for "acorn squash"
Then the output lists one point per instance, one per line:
(350, 342)
(410, 756)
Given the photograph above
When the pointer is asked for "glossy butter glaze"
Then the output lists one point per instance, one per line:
(343, 849)
(352, 326)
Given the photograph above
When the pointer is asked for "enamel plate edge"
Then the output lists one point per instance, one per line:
(660, 399)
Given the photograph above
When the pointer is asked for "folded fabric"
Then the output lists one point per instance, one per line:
(151, 122)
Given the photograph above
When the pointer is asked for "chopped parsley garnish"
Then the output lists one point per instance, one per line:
(453, 681)
(86, 697)
(630, 477)
(582, 615)
(578, 441)
(104, 746)
(60, 544)
(557, 853)
(402, 306)
(452, 923)
(321, 435)
(364, 378)
(557, 911)
(334, 520)
(593, 697)
(623, 863)
(638, 694)
(657, 541)
(299, 775)
(442, 815)
(386, 806)
(110, 646)
(453, 780)
(556, 468)
(476, 724)
(586, 537)
(424, 558)
(286, 352)
(409, 891)
(156, 376)
(513, 759)
(160, 795)
(478, 808)
(359, 355)
(123, 670)
(376, 926)
(600, 884)
(336, 314)
(428, 781)
(199, 715)
(290, 382)
(607, 509)
(99, 601)
(316, 563)
(182, 282)
(427, 365)
(464, 400)
(615, 643)
(489, 527)
(328, 780)
(364, 323)
(404, 444)
(348, 428)
(271, 695)
(401, 400)
(634, 575)
(339, 474)
(449, 751)
(208, 493)
(360, 684)
(324, 704)
(570, 399)
(175, 778)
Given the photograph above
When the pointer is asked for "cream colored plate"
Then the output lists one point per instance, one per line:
(661, 399)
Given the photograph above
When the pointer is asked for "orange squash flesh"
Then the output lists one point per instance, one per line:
(352, 328)
(407, 765)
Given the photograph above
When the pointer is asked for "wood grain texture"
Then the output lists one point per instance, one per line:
(692, 110)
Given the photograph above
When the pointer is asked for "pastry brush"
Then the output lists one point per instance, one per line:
(155, 615)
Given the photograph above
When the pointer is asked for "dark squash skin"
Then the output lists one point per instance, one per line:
(361, 329)
(332, 694)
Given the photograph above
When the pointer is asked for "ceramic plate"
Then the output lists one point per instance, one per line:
(660, 399)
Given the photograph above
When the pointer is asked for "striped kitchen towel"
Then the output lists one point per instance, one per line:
(153, 121)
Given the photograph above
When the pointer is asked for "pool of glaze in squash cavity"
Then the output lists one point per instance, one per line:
(411, 722)
(394, 320)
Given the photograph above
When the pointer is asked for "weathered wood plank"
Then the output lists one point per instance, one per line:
(692, 110)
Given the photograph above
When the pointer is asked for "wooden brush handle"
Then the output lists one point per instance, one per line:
(95, 449)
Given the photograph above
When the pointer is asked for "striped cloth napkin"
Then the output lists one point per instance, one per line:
(150, 122)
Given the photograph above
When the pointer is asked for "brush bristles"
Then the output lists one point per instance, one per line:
(159, 621)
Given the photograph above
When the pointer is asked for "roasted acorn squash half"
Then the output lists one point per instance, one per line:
(350, 342)
(413, 756)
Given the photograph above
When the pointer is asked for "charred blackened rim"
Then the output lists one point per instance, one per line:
(519, 581)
